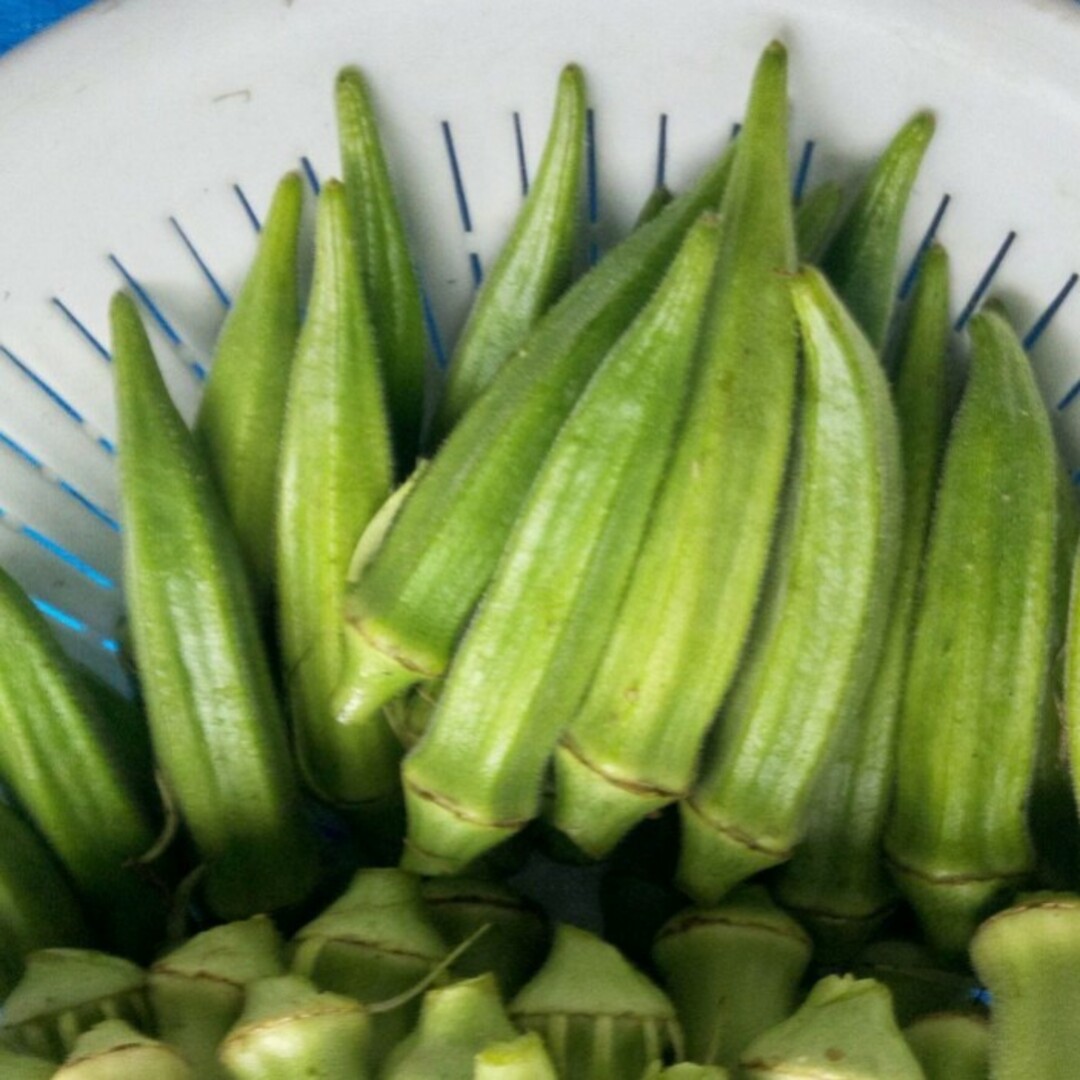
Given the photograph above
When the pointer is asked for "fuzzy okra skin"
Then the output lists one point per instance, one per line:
(382, 251)
(336, 471)
(475, 777)
(820, 625)
(815, 218)
(533, 267)
(51, 730)
(861, 259)
(1028, 957)
(410, 601)
(523, 1058)
(114, 1050)
(217, 730)
(957, 837)
(239, 423)
(952, 1045)
(675, 641)
(837, 882)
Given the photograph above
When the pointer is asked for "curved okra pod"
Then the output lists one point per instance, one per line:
(38, 908)
(957, 837)
(114, 1050)
(413, 594)
(861, 259)
(218, 733)
(335, 473)
(523, 1058)
(382, 250)
(475, 777)
(1028, 957)
(51, 730)
(845, 1030)
(815, 219)
(238, 426)
(675, 641)
(733, 972)
(952, 1046)
(456, 1023)
(837, 882)
(819, 629)
(600, 1017)
(534, 265)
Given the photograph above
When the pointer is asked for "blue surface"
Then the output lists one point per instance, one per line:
(20, 19)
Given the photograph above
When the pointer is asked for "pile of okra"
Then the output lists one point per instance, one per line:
(712, 572)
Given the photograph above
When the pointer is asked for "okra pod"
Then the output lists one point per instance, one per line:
(413, 594)
(51, 730)
(1028, 957)
(240, 418)
(957, 837)
(114, 1050)
(335, 473)
(951, 1046)
(475, 777)
(819, 629)
(534, 265)
(600, 1018)
(733, 972)
(523, 1058)
(456, 1023)
(633, 743)
(837, 883)
(382, 250)
(861, 259)
(217, 730)
(17, 1066)
(38, 908)
(815, 219)
(288, 1029)
(845, 1030)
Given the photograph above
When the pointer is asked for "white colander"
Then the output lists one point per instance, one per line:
(140, 141)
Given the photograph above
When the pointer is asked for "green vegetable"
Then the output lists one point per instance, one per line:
(114, 1050)
(951, 1046)
(523, 1058)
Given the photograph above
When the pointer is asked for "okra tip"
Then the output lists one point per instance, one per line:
(596, 810)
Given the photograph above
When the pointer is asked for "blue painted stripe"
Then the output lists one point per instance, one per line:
(907, 282)
(523, 169)
(662, 151)
(73, 622)
(1038, 327)
(82, 328)
(432, 327)
(802, 173)
(477, 269)
(147, 301)
(201, 263)
(985, 281)
(69, 557)
(309, 172)
(249, 210)
(455, 173)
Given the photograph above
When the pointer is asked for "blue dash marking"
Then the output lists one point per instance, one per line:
(907, 283)
(432, 328)
(523, 169)
(985, 281)
(661, 151)
(1039, 326)
(69, 557)
(735, 129)
(148, 302)
(476, 268)
(802, 173)
(82, 328)
(455, 172)
(592, 183)
(61, 616)
(102, 515)
(207, 273)
(249, 210)
(309, 172)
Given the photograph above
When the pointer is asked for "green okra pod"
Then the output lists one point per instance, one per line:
(475, 777)
(38, 908)
(1028, 957)
(534, 265)
(65, 992)
(658, 199)
(815, 219)
(17, 1066)
(822, 616)
(523, 1058)
(456, 1023)
(837, 883)
(957, 837)
(413, 594)
(844, 1030)
(51, 729)
(600, 1017)
(861, 259)
(673, 647)
(239, 423)
(197, 990)
(951, 1046)
(114, 1050)
(335, 473)
(289, 1029)
(218, 733)
(390, 282)
(733, 972)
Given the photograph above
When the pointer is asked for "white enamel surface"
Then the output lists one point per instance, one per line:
(141, 110)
